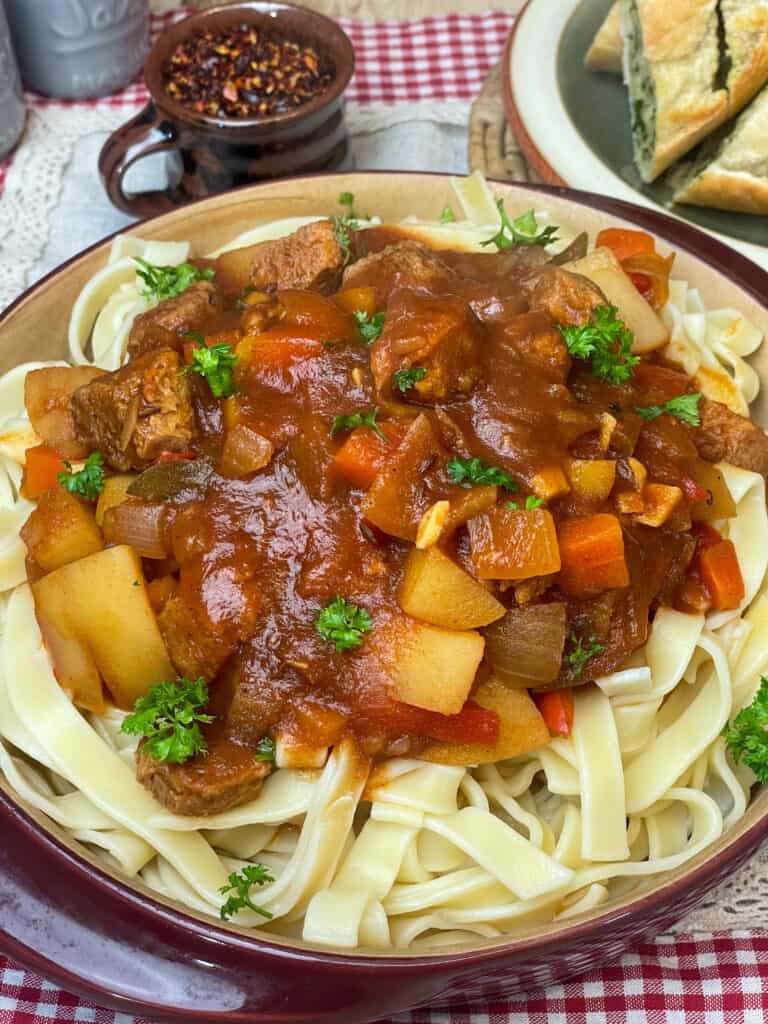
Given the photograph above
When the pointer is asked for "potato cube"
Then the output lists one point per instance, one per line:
(434, 668)
(61, 529)
(97, 621)
(591, 479)
(437, 590)
(659, 502)
(549, 483)
(521, 728)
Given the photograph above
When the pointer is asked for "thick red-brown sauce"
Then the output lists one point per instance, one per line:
(275, 548)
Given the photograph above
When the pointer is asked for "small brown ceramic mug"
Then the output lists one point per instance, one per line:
(208, 154)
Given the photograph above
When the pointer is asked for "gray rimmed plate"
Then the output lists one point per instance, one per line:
(573, 123)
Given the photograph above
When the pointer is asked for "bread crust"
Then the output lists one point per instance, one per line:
(674, 29)
(737, 175)
(726, 190)
(606, 51)
(680, 41)
(746, 33)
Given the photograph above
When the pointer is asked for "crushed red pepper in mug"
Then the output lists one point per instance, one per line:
(244, 72)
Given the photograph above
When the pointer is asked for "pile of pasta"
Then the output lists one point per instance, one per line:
(410, 855)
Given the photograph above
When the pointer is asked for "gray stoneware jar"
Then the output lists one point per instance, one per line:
(11, 101)
(77, 49)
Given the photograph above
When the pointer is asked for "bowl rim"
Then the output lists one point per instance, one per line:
(743, 273)
(340, 49)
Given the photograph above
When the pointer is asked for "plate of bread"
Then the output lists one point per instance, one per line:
(661, 102)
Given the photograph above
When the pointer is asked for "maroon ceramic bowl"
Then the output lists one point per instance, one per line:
(66, 917)
(207, 154)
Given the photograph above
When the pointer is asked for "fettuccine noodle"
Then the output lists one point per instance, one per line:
(416, 856)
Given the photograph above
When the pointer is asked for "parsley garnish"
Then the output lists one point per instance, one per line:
(447, 216)
(747, 735)
(404, 380)
(215, 364)
(370, 327)
(531, 502)
(684, 408)
(523, 230)
(168, 716)
(265, 749)
(343, 624)
(607, 342)
(241, 882)
(474, 472)
(342, 225)
(358, 419)
(87, 482)
(166, 282)
(581, 654)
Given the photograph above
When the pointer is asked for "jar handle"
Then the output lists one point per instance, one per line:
(146, 133)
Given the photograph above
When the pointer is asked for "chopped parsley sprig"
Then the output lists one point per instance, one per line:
(582, 652)
(531, 502)
(523, 230)
(87, 482)
(162, 283)
(684, 408)
(475, 473)
(169, 718)
(747, 735)
(404, 380)
(447, 216)
(344, 223)
(370, 327)
(239, 884)
(343, 624)
(358, 419)
(266, 749)
(216, 364)
(606, 342)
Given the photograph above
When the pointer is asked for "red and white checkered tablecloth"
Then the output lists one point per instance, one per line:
(435, 58)
(707, 979)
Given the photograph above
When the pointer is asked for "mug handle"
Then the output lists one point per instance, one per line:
(146, 133)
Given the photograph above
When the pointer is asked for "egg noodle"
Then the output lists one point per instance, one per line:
(411, 855)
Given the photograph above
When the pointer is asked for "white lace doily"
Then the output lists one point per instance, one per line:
(383, 136)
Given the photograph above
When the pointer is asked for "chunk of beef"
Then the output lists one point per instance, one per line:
(567, 298)
(136, 412)
(226, 776)
(724, 436)
(311, 258)
(537, 342)
(195, 649)
(404, 264)
(439, 334)
(164, 325)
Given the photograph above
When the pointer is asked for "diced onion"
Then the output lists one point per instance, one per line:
(139, 524)
(528, 642)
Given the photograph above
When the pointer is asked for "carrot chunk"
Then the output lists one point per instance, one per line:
(364, 453)
(721, 574)
(277, 349)
(41, 471)
(625, 243)
(556, 708)
(592, 553)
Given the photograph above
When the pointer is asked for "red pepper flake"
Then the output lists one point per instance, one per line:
(244, 72)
